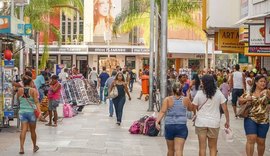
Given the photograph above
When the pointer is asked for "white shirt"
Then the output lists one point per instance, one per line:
(247, 85)
(63, 76)
(93, 75)
(209, 114)
(238, 80)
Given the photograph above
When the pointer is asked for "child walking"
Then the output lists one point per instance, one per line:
(54, 100)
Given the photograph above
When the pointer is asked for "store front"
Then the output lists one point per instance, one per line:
(109, 63)
(53, 59)
(82, 62)
(130, 62)
(67, 60)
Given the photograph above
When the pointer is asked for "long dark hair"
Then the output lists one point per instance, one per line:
(257, 78)
(197, 81)
(120, 73)
(177, 89)
(209, 87)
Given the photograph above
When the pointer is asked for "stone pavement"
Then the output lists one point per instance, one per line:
(94, 133)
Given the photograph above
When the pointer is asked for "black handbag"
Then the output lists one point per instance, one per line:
(153, 131)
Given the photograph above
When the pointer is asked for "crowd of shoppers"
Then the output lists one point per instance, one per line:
(207, 95)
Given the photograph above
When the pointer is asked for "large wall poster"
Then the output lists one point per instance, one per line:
(104, 14)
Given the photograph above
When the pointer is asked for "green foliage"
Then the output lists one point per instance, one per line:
(138, 15)
(40, 11)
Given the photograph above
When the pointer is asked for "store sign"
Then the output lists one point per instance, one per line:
(20, 29)
(243, 34)
(117, 50)
(68, 49)
(66, 58)
(82, 58)
(5, 24)
(267, 30)
(228, 40)
(257, 35)
(9, 63)
(28, 29)
(259, 49)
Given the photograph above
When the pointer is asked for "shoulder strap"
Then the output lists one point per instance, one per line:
(202, 104)
(28, 100)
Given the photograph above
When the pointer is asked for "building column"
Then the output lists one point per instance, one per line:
(59, 58)
(177, 64)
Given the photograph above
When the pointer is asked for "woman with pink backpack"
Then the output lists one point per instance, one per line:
(176, 130)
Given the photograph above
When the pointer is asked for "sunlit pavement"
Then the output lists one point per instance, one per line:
(93, 132)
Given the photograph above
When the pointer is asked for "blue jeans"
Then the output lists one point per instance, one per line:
(101, 94)
(118, 106)
(111, 107)
(131, 85)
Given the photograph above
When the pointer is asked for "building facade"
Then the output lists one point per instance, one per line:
(88, 42)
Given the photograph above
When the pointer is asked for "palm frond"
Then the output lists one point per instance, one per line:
(138, 15)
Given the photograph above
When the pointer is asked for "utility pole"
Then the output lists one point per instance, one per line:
(22, 44)
(37, 51)
(152, 42)
(156, 41)
(163, 59)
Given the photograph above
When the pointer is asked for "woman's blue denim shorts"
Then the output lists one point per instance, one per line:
(251, 127)
(28, 117)
(173, 131)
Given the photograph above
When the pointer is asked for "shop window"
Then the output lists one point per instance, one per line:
(130, 62)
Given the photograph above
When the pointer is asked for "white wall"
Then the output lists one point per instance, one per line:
(88, 21)
(223, 13)
(260, 8)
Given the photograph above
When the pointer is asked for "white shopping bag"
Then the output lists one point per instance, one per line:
(228, 134)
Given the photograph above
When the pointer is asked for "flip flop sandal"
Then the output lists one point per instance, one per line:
(36, 149)
(48, 124)
(54, 125)
(21, 152)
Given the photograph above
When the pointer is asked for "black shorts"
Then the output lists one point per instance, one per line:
(236, 93)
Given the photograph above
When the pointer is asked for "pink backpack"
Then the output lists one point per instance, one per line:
(67, 111)
(135, 128)
(149, 122)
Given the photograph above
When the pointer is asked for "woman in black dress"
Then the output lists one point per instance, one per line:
(120, 100)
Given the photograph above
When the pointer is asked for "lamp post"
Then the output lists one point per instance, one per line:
(152, 42)
(163, 60)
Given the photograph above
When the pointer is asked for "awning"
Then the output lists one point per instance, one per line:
(177, 46)
(250, 18)
(29, 43)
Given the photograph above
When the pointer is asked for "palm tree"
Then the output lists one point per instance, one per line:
(40, 11)
(138, 15)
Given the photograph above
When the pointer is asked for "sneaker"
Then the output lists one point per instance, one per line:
(118, 123)
(111, 116)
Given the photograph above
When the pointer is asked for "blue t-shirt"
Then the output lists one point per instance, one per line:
(185, 89)
(103, 78)
(40, 80)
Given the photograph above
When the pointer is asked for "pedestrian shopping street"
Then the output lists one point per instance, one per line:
(94, 133)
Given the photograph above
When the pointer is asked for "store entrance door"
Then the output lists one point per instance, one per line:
(82, 62)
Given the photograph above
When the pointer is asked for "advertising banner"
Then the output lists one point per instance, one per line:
(5, 24)
(228, 40)
(104, 14)
(257, 35)
(257, 45)
(28, 29)
(267, 30)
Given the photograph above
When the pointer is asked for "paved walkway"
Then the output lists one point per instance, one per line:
(94, 133)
